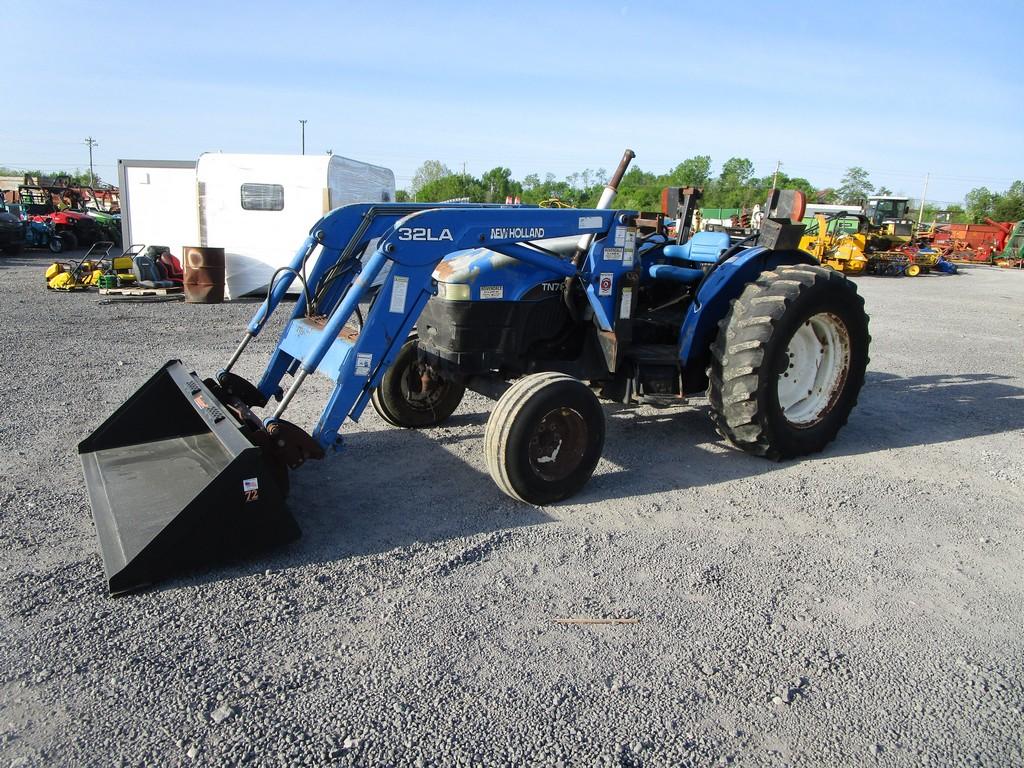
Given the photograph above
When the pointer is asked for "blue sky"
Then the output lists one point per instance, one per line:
(899, 88)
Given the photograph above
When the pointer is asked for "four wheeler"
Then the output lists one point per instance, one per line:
(109, 224)
(547, 308)
(41, 234)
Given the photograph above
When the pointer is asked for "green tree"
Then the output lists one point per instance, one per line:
(454, 186)
(1009, 206)
(980, 203)
(692, 172)
(639, 190)
(430, 171)
(854, 187)
(401, 196)
(732, 187)
(883, 190)
(498, 184)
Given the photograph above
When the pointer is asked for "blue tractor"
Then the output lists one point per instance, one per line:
(548, 310)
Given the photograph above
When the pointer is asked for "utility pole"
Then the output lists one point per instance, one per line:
(775, 178)
(920, 216)
(303, 136)
(90, 143)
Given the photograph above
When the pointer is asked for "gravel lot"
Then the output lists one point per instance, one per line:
(862, 607)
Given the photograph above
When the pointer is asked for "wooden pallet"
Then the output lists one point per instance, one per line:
(140, 291)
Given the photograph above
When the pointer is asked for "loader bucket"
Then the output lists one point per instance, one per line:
(174, 481)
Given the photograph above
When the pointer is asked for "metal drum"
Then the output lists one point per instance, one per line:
(204, 275)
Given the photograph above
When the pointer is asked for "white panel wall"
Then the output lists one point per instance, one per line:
(162, 207)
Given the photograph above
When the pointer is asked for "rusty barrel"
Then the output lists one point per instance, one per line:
(204, 275)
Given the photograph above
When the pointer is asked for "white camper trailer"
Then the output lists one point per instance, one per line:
(258, 208)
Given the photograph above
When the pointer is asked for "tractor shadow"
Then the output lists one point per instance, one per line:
(392, 488)
(679, 448)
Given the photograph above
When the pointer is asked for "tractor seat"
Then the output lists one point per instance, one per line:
(702, 248)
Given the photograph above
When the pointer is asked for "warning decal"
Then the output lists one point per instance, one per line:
(629, 247)
(492, 291)
(604, 287)
(398, 293)
(363, 362)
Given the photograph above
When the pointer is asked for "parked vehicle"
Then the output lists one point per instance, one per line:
(549, 307)
(12, 232)
(76, 228)
(42, 234)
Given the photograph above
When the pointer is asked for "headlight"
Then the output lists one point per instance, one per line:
(453, 291)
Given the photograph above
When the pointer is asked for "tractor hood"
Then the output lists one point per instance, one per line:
(487, 274)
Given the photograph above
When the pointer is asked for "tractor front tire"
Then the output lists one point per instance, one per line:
(544, 438)
(408, 396)
(789, 362)
(56, 245)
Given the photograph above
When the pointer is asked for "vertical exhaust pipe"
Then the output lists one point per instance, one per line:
(607, 198)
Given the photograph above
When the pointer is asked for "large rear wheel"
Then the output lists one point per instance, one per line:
(544, 438)
(413, 395)
(789, 362)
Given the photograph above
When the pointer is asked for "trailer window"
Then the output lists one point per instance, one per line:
(262, 197)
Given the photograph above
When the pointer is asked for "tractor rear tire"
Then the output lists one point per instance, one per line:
(789, 362)
(400, 399)
(70, 241)
(544, 438)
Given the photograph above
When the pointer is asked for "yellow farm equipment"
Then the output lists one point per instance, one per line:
(838, 241)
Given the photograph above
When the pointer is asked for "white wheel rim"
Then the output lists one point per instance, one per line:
(818, 358)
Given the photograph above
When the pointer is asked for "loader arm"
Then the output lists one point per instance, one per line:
(410, 246)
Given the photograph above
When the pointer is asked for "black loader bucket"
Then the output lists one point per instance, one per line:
(174, 481)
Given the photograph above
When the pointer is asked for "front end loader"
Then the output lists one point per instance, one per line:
(545, 309)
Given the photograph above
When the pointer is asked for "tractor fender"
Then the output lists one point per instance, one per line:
(726, 283)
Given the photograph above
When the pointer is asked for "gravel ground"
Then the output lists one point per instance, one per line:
(861, 607)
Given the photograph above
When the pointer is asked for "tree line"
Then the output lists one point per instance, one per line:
(76, 178)
(735, 186)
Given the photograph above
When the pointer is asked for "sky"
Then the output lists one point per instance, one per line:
(902, 89)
